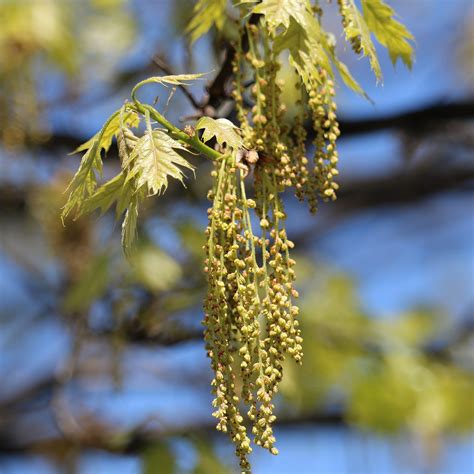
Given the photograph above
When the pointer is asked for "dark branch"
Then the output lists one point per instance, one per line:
(395, 189)
(406, 187)
(413, 121)
(217, 89)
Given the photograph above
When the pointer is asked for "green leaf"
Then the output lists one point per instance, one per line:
(346, 76)
(356, 29)
(126, 142)
(279, 12)
(154, 159)
(84, 182)
(106, 135)
(176, 80)
(224, 131)
(311, 47)
(129, 226)
(306, 49)
(388, 31)
(105, 195)
(206, 14)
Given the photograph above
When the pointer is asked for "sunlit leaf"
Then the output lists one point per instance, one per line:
(356, 29)
(279, 12)
(84, 182)
(105, 195)
(388, 31)
(129, 226)
(222, 129)
(154, 159)
(305, 46)
(329, 44)
(106, 135)
(176, 80)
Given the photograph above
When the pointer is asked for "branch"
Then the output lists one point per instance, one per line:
(413, 121)
(406, 187)
(355, 194)
(217, 89)
(90, 432)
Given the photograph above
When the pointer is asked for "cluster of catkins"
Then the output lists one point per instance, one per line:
(250, 312)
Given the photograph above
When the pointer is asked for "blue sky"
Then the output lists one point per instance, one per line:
(401, 257)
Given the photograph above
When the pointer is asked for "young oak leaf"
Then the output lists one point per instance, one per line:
(305, 46)
(175, 80)
(206, 14)
(279, 12)
(84, 182)
(105, 195)
(154, 159)
(224, 131)
(356, 29)
(124, 193)
(311, 47)
(329, 44)
(129, 225)
(106, 135)
(388, 31)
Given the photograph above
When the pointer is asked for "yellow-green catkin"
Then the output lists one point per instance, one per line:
(251, 316)
(326, 129)
(222, 318)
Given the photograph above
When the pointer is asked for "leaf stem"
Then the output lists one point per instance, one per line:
(177, 133)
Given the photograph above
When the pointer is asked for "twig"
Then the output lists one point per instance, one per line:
(163, 65)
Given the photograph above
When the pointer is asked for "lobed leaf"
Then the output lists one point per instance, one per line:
(224, 131)
(305, 46)
(106, 135)
(176, 80)
(357, 29)
(129, 226)
(147, 163)
(279, 12)
(342, 69)
(84, 182)
(388, 31)
(206, 14)
(154, 159)
(105, 195)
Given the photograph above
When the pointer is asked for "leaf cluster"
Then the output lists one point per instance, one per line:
(147, 161)
(250, 311)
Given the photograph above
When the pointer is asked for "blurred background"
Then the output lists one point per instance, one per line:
(102, 364)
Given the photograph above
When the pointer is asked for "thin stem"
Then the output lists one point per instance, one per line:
(177, 133)
(162, 64)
